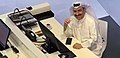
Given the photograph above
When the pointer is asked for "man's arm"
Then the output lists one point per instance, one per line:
(65, 27)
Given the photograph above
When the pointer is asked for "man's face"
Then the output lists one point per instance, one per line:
(79, 12)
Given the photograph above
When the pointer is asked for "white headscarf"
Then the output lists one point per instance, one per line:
(89, 10)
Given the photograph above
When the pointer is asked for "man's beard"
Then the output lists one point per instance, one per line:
(80, 16)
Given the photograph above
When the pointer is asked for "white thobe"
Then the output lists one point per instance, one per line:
(85, 31)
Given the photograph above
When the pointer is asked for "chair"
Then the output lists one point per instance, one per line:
(103, 26)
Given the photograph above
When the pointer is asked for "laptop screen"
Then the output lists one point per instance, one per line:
(4, 34)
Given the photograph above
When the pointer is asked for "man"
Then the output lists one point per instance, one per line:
(82, 26)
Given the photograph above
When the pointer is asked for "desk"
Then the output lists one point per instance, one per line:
(10, 54)
(57, 29)
(21, 41)
(81, 53)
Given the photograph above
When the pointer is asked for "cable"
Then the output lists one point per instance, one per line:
(23, 18)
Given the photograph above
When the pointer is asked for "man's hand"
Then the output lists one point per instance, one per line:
(77, 46)
(67, 21)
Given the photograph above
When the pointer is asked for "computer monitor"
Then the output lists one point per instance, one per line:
(4, 34)
(52, 43)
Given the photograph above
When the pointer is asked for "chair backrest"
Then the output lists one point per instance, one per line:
(103, 26)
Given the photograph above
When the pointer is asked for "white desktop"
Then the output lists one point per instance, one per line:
(57, 29)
